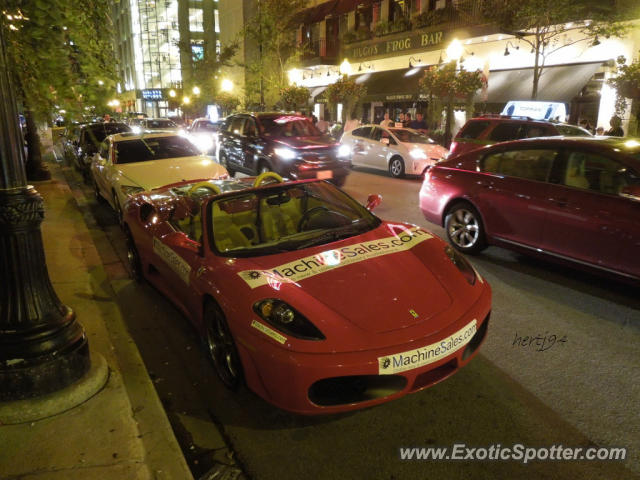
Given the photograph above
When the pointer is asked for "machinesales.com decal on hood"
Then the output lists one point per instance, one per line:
(331, 259)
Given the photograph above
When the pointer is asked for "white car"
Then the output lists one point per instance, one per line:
(204, 134)
(129, 163)
(399, 151)
(158, 124)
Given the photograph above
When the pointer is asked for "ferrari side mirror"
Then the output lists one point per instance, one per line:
(373, 201)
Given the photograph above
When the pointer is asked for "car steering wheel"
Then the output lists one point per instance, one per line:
(306, 216)
(263, 176)
(214, 188)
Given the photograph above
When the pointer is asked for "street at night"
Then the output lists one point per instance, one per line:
(568, 391)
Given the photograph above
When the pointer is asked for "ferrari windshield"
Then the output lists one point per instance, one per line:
(285, 218)
(153, 148)
(408, 136)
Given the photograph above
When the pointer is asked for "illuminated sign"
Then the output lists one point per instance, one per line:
(152, 94)
(420, 41)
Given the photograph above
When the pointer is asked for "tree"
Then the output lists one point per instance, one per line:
(550, 25)
(294, 97)
(274, 49)
(627, 85)
(447, 85)
(205, 75)
(227, 102)
(347, 92)
(62, 58)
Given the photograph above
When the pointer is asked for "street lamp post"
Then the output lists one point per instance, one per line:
(42, 346)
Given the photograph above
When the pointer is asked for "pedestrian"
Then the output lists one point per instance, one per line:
(106, 118)
(400, 120)
(616, 127)
(419, 123)
(314, 119)
(386, 121)
(322, 125)
(600, 131)
(407, 120)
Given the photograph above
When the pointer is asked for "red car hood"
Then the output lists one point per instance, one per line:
(380, 294)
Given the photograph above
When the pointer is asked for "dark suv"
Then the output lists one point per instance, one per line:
(490, 129)
(287, 144)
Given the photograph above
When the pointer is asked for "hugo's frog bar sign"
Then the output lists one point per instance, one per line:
(413, 42)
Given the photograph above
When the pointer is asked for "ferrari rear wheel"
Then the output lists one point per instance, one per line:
(221, 347)
(133, 257)
(465, 229)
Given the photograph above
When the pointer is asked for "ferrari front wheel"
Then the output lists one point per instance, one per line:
(133, 257)
(221, 347)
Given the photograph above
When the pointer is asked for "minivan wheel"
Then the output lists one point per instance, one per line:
(465, 229)
(396, 167)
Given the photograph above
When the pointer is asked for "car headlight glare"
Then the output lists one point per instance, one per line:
(136, 129)
(285, 153)
(344, 151)
(418, 154)
(287, 319)
(129, 190)
(461, 264)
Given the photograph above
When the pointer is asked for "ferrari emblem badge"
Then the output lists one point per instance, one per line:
(413, 313)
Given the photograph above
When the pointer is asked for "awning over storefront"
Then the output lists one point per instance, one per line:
(557, 83)
(388, 86)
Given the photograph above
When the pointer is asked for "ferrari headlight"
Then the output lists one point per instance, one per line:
(461, 264)
(285, 153)
(344, 151)
(129, 190)
(287, 319)
(418, 154)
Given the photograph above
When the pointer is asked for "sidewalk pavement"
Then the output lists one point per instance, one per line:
(122, 432)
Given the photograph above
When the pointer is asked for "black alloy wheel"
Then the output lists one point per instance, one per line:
(465, 229)
(221, 347)
(133, 258)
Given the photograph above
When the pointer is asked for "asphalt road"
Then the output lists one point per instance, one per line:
(581, 392)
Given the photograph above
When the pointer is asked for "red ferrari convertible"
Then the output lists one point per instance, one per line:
(304, 294)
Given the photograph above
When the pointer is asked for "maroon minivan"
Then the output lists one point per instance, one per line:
(574, 199)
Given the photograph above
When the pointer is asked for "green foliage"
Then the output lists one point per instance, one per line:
(294, 97)
(275, 49)
(399, 25)
(205, 75)
(436, 17)
(626, 82)
(445, 85)
(346, 91)
(227, 102)
(61, 52)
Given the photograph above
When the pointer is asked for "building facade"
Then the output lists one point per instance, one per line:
(388, 43)
(156, 43)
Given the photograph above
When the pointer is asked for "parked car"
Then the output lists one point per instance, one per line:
(204, 134)
(151, 124)
(490, 129)
(69, 140)
(398, 151)
(90, 137)
(573, 199)
(289, 145)
(283, 282)
(129, 163)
